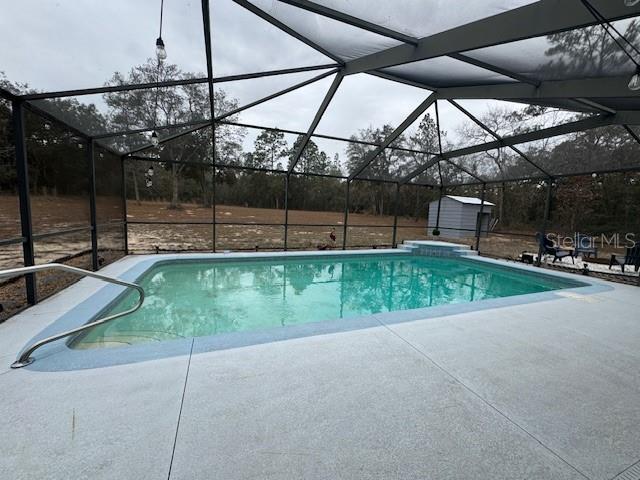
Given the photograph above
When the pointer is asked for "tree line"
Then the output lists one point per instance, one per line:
(183, 173)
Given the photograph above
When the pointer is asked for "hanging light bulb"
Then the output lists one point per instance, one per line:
(631, 3)
(594, 175)
(161, 52)
(154, 139)
(634, 83)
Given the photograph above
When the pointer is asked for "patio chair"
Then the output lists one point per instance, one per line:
(547, 247)
(631, 257)
(585, 246)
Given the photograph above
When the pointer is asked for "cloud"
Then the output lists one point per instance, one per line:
(59, 45)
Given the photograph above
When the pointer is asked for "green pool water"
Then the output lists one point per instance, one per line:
(189, 299)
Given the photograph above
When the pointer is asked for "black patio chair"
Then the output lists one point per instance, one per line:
(631, 257)
(585, 246)
(547, 247)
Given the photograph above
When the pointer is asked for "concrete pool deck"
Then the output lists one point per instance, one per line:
(541, 390)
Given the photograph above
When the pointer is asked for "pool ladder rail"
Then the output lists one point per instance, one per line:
(25, 357)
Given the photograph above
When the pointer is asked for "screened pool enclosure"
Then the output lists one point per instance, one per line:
(109, 146)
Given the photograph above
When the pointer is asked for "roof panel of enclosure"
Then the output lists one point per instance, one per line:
(421, 18)
(342, 40)
(571, 56)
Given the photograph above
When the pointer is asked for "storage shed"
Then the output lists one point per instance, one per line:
(459, 216)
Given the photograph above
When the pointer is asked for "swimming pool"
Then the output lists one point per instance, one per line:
(213, 297)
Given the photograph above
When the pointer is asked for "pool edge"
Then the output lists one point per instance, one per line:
(62, 357)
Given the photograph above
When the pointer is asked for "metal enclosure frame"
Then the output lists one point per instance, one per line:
(551, 16)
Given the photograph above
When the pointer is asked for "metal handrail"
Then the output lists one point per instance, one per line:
(25, 358)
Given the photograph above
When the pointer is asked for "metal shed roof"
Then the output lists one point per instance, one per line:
(469, 200)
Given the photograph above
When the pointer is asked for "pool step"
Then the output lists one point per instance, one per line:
(436, 249)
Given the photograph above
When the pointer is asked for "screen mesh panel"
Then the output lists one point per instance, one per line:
(235, 202)
(497, 165)
(502, 118)
(456, 126)
(140, 143)
(333, 157)
(9, 203)
(252, 147)
(455, 173)
(152, 238)
(392, 164)
(380, 103)
(243, 92)
(160, 191)
(446, 72)
(64, 247)
(580, 53)
(426, 176)
(71, 249)
(377, 101)
(87, 113)
(111, 243)
(109, 188)
(13, 292)
(371, 210)
(421, 135)
(131, 110)
(219, 183)
(58, 176)
(316, 200)
(294, 110)
(249, 237)
(609, 216)
(70, 46)
(343, 40)
(410, 16)
(249, 48)
(597, 150)
(316, 210)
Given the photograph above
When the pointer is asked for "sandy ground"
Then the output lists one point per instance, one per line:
(307, 230)
(61, 213)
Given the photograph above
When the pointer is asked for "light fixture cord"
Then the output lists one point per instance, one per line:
(604, 23)
(155, 109)
(161, 11)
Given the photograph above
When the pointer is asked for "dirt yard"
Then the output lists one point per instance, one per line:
(308, 230)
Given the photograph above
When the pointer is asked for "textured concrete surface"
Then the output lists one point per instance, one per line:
(542, 390)
(360, 405)
(116, 422)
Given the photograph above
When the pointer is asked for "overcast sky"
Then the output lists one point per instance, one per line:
(66, 44)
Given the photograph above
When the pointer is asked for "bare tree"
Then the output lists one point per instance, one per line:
(149, 108)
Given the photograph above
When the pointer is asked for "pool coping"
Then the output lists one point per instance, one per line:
(60, 357)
